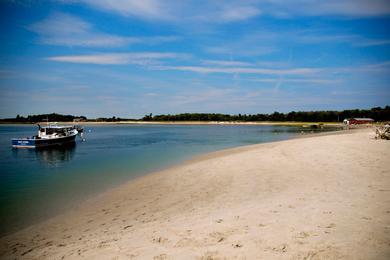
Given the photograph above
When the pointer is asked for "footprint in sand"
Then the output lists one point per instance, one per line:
(217, 236)
(210, 255)
(159, 240)
(303, 234)
(237, 245)
(126, 227)
(281, 249)
(331, 225)
(160, 257)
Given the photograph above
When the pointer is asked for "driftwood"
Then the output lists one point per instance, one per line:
(383, 132)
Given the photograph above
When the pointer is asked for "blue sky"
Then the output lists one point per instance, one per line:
(130, 58)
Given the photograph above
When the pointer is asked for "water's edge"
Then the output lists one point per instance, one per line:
(192, 159)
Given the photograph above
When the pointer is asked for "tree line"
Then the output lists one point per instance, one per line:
(53, 117)
(376, 113)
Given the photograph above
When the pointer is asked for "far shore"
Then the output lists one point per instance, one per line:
(280, 123)
(319, 197)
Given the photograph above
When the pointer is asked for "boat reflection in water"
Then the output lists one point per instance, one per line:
(56, 156)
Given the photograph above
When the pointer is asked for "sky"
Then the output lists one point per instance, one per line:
(128, 58)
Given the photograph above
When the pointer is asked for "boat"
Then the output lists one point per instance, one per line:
(49, 136)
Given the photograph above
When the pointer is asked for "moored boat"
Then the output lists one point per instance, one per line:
(50, 135)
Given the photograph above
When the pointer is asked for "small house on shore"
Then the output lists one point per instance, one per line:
(358, 121)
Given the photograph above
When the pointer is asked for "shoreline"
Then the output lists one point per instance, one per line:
(193, 159)
(205, 165)
(276, 123)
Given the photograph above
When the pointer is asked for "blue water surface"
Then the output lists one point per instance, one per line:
(37, 184)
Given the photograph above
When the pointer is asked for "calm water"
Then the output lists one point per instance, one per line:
(37, 184)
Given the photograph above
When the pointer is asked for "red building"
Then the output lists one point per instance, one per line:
(358, 121)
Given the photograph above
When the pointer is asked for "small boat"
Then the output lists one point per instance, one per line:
(50, 135)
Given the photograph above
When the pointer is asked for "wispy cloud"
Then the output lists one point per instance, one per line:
(352, 39)
(69, 30)
(372, 42)
(349, 8)
(147, 9)
(300, 81)
(140, 58)
(226, 63)
(243, 70)
(231, 13)
(238, 10)
(238, 49)
(380, 67)
(316, 36)
(179, 11)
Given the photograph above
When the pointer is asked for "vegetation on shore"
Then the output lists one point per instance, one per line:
(54, 117)
(376, 113)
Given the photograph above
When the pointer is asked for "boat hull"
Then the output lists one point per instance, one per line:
(43, 142)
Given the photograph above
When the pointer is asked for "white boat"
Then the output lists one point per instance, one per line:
(50, 135)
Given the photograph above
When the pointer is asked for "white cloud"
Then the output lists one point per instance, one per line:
(352, 39)
(179, 11)
(140, 58)
(237, 10)
(243, 70)
(238, 13)
(372, 42)
(354, 8)
(69, 30)
(380, 67)
(239, 48)
(265, 41)
(148, 9)
(226, 63)
(300, 81)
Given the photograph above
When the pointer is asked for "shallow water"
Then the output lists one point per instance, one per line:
(36, 184)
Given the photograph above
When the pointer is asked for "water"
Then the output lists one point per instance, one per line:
(37, 184)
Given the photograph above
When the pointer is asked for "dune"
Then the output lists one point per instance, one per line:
(320, 197)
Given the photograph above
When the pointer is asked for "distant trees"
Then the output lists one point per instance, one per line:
(376, 113)
(53, 117)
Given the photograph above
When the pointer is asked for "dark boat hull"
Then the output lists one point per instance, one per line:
(40, 143)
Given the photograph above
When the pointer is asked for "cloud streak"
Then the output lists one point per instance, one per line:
(68, 30)
(300, 81)
(140, 58)
(147, 9)
(179, 11)
(238, 10)
(242, 70)
(226, 63)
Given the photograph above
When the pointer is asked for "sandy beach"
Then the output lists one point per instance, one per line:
(320, 197)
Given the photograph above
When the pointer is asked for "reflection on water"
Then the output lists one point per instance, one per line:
(55, 156)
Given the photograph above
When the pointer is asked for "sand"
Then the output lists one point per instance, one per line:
(322, 197)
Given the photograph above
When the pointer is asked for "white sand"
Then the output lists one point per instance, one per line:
(325, 197)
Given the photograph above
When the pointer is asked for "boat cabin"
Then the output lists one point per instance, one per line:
(54, 131)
